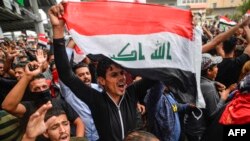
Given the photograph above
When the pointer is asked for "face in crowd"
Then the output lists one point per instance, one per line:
(212, 72)
(84, 74)
(39, 85)
(21, 43)
(114, 81)
(59, 129)
(19, 72)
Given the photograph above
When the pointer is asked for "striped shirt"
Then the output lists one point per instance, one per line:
(9, 127)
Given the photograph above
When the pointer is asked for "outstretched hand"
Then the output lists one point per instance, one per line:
(36, 125)
(10, 54)
(40, 56)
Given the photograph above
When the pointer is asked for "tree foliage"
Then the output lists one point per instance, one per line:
(244, 7)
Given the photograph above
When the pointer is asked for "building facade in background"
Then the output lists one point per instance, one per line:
(208, 9)
(218, 7)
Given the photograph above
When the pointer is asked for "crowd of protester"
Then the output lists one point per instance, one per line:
(46, 95)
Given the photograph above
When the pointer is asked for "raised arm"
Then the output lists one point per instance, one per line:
(153, 97)
(55, 15)
(61, 60)
(36, 125)
(12, 101)
(223, 36)
(65, 72)
(137, 90)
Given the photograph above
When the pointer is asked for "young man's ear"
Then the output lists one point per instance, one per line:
(45, 134)
(101, 80)
(209, 70)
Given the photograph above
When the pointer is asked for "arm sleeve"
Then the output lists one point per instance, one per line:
(153, 97)
(212, 102)
(82, 91)
(242, 59)
(7, 83)
(70, 112)
(138, 90)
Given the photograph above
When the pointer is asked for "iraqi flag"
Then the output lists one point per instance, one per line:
(30, 39)
(42, 40)
(148, 40)
(225, 23)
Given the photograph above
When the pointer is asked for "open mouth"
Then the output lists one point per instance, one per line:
(64, 137)
(86, 81)
(122, 86)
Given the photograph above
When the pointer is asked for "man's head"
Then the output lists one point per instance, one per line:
(1, 67)
(39, 88)
(112, 77)
(38, 84)
(51, 57)
(82, 72)
(209, 67)
(59, 128)
(140, 136)
(21, 43)
(20, 70)
(229, 45)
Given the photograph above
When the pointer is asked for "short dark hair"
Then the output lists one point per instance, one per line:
(39, 76)
(139, 135)
(54, 111)
(204, 39)
(204, 72)
(103, 66)
(79, 65)
(49, 54)
(21, 64)
(229, 45)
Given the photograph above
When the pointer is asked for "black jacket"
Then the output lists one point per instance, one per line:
(112, 121)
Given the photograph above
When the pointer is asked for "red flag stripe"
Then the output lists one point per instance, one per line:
(105, 18)
(42, 40)
(78, 50)
(41, 35)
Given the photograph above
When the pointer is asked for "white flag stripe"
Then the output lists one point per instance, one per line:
(200, 102)
(42, 42)
(101, 44)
